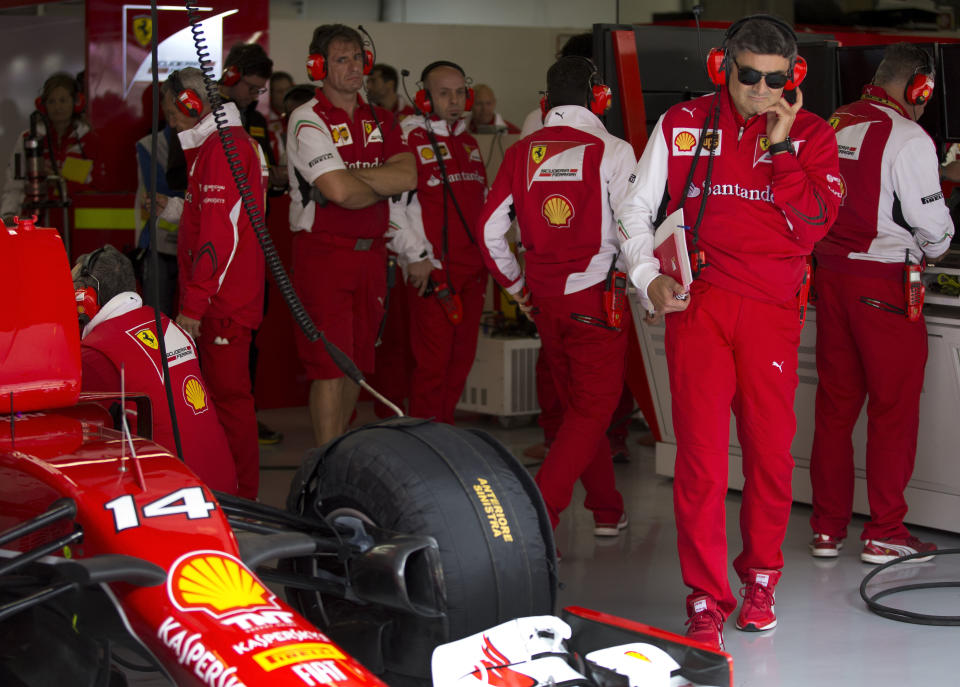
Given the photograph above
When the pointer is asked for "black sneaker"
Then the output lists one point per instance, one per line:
(267, 436)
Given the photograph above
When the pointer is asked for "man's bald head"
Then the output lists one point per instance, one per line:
(484, 105)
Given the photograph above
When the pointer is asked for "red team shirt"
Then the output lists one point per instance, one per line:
(563, 182)
(322, 138)
(130, 338)
(764, 212)
(897, 205)
(221, 264)
(417, 218)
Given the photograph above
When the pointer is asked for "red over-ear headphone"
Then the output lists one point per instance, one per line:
(187, 100)
(717, 57)
(422, 97)
(88, 297)
(231, 75)
(919, 88)
(601, 97)
(87, 306)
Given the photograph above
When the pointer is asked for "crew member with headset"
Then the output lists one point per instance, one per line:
(434, 233)
(221, 267)
(244, 80)
(756, 176)
(563, 183)
(345, 158)
(119, 335)
(871, 335)
(67, 147)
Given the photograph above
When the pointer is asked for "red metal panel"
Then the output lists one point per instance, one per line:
(631, 93)
(39, 335)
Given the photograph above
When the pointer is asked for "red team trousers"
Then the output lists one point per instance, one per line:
(727, 352)
(226, 369)
(444, 352)
(863, 351)
(586, 367)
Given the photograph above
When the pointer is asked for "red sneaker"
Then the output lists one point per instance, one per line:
(757, 610)
(876, 551)
(705, 622)
(825, 546)
(611, 529)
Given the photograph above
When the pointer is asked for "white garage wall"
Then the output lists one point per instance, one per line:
(506, 43)
(542, 13)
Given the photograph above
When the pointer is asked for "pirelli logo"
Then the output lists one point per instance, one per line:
(932, 198)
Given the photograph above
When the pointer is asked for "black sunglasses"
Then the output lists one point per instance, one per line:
(748, 77)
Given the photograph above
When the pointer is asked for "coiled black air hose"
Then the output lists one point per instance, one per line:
(250, 205)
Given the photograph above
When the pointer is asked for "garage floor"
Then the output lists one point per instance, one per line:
(825, 635)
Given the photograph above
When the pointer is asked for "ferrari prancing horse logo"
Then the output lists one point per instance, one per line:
(148, 338)
(143, 29)
(537, 153)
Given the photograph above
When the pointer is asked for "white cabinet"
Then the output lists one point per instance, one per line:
(933, 494)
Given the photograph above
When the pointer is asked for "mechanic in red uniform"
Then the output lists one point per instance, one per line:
(122, 334)
(64, 132)
(221, 265)
(892, 212)
(435, 235)
(562, 183)
(767, 171)
(345, 158)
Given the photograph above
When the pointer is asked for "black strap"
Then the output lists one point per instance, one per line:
(713, 115)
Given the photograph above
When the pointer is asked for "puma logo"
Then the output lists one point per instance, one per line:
(689, 111)
(779, 366)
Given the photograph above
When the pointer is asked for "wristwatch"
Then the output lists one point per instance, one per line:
(784, 146)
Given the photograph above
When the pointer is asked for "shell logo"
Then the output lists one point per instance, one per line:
(194, 394)
(427, 153)
(558, 211)
(217, 584)
(340, 133)
(685, 141)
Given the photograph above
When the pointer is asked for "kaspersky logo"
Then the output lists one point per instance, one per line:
(216, 583)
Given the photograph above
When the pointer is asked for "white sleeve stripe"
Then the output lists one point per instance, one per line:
(494, 238)
(234, 219)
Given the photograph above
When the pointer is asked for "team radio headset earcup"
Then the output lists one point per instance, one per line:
(717, 57)
(88, 297)
(231, 75)
(187, 99)
(920, 86)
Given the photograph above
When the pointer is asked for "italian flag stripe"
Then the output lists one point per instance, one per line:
(305, 123)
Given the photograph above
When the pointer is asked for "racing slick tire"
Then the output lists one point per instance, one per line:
(418, 477)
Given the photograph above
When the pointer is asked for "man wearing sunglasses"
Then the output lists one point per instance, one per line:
(756, 176)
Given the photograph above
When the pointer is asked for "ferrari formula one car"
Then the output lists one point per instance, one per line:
(397, 538)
